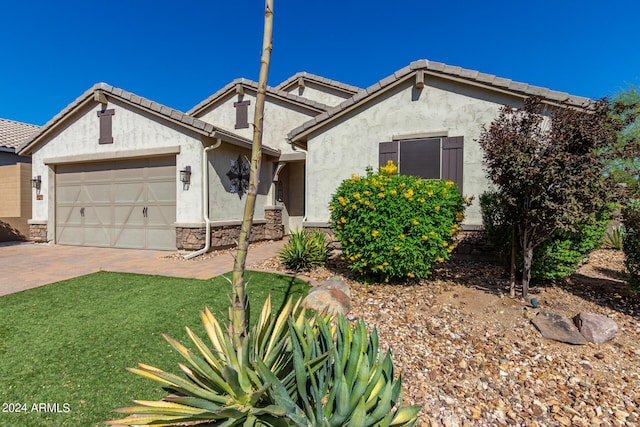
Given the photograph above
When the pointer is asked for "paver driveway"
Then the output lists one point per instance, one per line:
(27, 265)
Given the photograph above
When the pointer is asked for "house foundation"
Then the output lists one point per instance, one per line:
(38, 233)
(225, 234)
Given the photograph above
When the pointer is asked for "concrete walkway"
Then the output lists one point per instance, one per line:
(27, 265)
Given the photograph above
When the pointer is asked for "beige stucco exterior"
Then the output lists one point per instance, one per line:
(135, 134)
(225, 206)
(139, 133)
(279, 116)
(441, 108)
(319, 93)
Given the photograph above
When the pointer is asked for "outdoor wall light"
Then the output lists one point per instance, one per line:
(185, 177)
(36, 182)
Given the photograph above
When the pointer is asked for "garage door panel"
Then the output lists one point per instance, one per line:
(97, 236)
(132, 215)
(161, 215)
(128, 204)
(96, 193)
(161, 191)
(97, 215)
(128, 192)
(130, 237)
(70, 234)
(162, 239)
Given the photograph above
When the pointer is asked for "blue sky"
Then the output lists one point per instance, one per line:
(179, 52)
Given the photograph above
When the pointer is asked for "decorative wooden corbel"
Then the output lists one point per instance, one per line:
(419, 79)
(101, 97)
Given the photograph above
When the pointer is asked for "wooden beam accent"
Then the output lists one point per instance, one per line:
(101, 97)
(419, 79)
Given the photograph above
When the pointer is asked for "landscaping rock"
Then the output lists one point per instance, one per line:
(335, 282)
(558, 327)
(333, 295)
(595, 328)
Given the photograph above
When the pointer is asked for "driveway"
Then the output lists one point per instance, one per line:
(27, 265)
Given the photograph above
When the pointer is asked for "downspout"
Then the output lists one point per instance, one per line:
(205, 200)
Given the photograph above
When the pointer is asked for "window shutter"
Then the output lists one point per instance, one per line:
(242, 114)
(420, 157)
(388, 151)
(106, 122)
(452, 159)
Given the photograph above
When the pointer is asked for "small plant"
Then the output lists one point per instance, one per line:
(614, 237)
(305, 250)
(395, 226)
(631, 242)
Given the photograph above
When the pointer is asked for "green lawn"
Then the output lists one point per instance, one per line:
(68, 343)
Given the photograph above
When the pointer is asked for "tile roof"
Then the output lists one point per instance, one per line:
(13, 134)
(271, 91)
(318, 79)
(100, 89)
(441, 70)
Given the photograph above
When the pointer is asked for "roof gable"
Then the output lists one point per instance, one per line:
(300, 78)
(100, 92)
(418, 70)
(241, 84)
(13, 134)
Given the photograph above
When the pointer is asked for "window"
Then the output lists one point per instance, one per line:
(429, 158)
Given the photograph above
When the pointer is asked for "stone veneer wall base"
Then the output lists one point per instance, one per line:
(226, 236)
(38, 233)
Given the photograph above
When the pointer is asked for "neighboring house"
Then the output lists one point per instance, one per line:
(15, 181)
(112, 164)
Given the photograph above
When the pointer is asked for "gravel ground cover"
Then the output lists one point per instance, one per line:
(471, 357)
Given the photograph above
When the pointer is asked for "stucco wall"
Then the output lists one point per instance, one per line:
(133, 130)
(322, 94)
(350, 144)
(279, 119)
(227, 206)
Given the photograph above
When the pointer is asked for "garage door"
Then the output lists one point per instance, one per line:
(123, 204)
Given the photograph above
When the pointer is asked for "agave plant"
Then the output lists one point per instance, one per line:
(292, 370)
(305, 250)
(614, 237)
(354, 387)
(223, 386)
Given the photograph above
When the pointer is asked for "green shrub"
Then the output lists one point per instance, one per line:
(305, 250)
(395, 226)
(292, 370)
(631, 242)
(557, 257)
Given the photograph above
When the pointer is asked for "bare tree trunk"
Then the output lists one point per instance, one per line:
(238, 313)
(527, 245)
(512, 272)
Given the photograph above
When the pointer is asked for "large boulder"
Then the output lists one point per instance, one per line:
(558, 327)
(332, 296)
(595, 328)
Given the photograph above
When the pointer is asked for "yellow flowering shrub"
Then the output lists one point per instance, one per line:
(400, 225)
